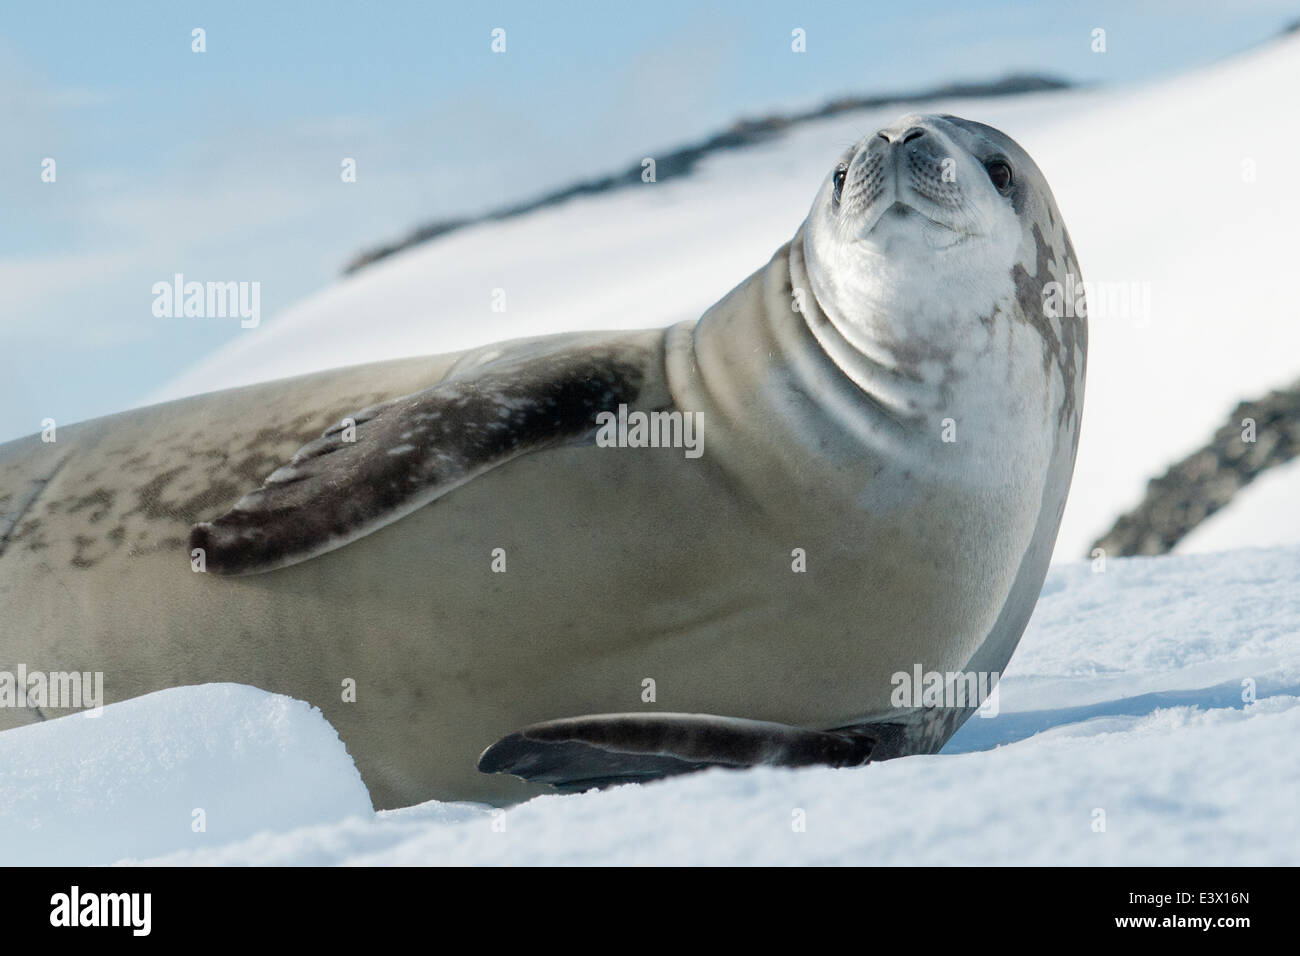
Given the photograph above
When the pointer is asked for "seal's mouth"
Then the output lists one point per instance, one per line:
(901, 218)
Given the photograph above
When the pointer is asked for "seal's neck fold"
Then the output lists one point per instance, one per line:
(893, 392)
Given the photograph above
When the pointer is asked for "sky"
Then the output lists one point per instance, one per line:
(225, 165)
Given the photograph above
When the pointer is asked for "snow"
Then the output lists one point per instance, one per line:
(1263, 514)
(1154, 182)
(1160, 696)
(90, 790)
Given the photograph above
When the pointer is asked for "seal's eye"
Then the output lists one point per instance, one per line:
(837, 181)
(1000, 173)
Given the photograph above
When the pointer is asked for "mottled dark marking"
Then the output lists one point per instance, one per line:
(100, 502)
(149, 500)
(31, 535)
(12, 524)
(167, 543)
(410, 449)
(1059, 350)
(206, 477)
(81, 558)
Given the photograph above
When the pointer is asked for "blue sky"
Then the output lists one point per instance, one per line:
(225, 165)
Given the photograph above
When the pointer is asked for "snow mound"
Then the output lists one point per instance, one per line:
(91, 790)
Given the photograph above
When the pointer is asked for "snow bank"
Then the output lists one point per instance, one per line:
(1178, 786)
(87, 790)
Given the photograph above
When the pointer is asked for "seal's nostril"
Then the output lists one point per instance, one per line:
(909, 134)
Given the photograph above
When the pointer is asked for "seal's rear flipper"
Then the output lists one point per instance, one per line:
(578, 753)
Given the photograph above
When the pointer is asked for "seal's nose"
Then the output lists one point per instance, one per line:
(901, 136)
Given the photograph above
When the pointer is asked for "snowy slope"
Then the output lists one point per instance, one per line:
(1150, 181)
(1126, 697)
(1264, 513)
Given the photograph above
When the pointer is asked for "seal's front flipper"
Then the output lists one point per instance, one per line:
(578, 753)
(385, 461)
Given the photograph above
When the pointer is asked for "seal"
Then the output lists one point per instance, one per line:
(519, 567)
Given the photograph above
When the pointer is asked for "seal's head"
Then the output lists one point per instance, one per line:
(928, 216)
